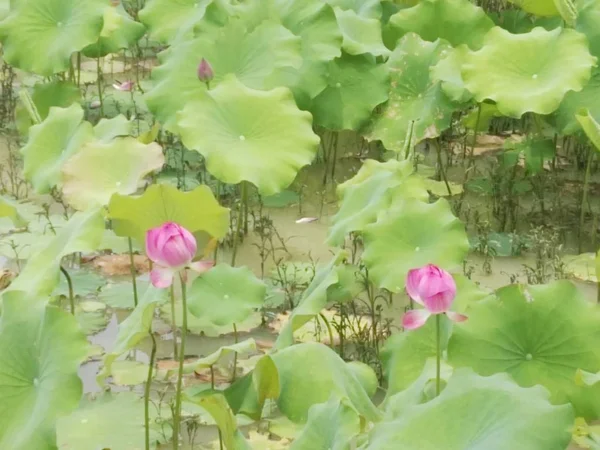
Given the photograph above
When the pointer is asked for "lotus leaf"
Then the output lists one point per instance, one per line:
(574, 102)
(61, 94)
(172, 20)
(537, 334)
(355, 86)
(41, 348)
(411, 235)
(330, 425)
(41, 35)
(108, 129)
(196, 210)
(255, 57)
(456, 21)
(236, 290)
(448, 71)
(538, 7)
(478, 412)
(363, 197)
(112, 421)
(414, 98)
(524, 72)
(588, 23)
(590, 126)
(133, 329)
(51, 143)
(360, 34)
(82, 233)
(249, 135)
(118, 32)
(91, 177)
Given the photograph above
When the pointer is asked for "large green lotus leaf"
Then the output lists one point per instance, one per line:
(133, 329)
(525, 72)
(82, 233)
(51, 143)
(537, 7)
(360, 34)
(448, 71)
(537, 334)
(405, 355)
(254, 57)
(41, 348)
(56, 93)
(321, 375)
(590, 126)
(355, 86)
(236, 290)
(574, 102)
(111, 421)
(364, 197)
(172, 20)
(249, 135)
(108, 129)
(10, 208)
(414, 95)
(40, 36)
(330, 425)
(474, 412)
(314, 299)
(411, 235)
(119, 32)
(456, 21)
(588, 23)
(196, 210)
(91, 177)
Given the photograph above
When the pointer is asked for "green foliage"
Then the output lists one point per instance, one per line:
(41, 348)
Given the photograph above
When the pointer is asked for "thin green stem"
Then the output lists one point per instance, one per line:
(78, 69)
(212, 377)
(99, 84)
(235, 337)
(240, 220)
(70, 285)
(329, 330)
(177, 418)
(441, 165)
(147, 389)
(586, 182)
(173, 323)
(133, 271)
(438, 353)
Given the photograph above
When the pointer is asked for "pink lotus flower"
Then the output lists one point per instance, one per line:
(434, 289)
(205, 71)
(172, 248)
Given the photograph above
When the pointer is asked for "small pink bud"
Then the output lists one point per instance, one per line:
(170, 245)
(205, 71)
(434, 289)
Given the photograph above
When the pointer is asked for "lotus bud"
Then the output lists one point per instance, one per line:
(435, 290)
(205, 71)
(172, 248)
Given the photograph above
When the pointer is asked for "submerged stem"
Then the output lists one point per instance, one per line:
(235, 337)
(147, 389)
(133, 271)
(177, 418)
(586, 182)
(240, 220)
(70, 285)
(438, 353)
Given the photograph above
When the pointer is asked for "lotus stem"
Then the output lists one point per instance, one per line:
(133, 271)
(586, 182)
(177, 418)
(99, 84)
(70, 285)
(235, 337)
(147, 389)
(240, 220)
(173, 322)
(441, 165)
(438, 353)
(329, 330)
